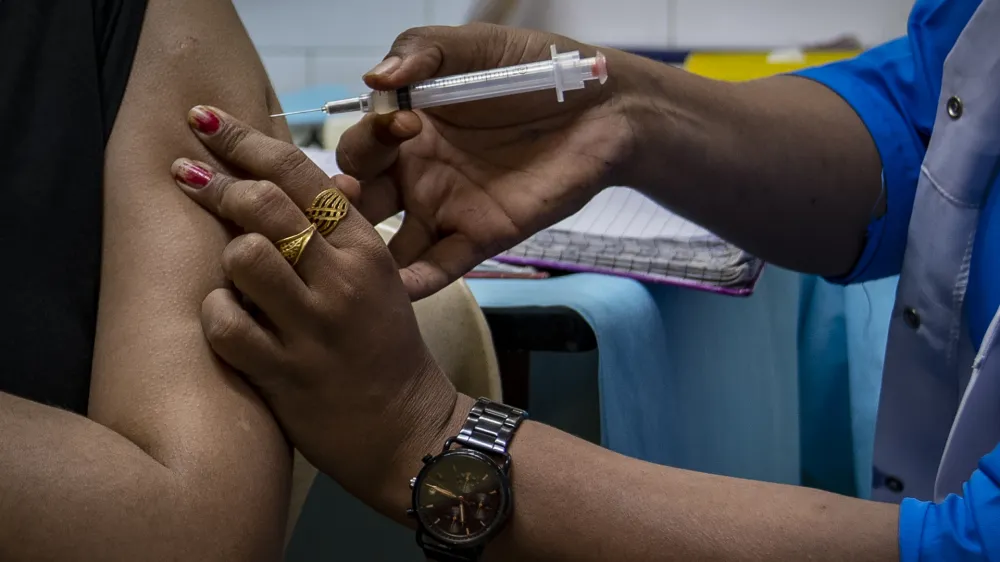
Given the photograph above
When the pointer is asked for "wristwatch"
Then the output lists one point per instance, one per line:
(462, 497)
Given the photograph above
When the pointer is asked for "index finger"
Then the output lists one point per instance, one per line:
(237, 143)
(444, 262)
(371, 146)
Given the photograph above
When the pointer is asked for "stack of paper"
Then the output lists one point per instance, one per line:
(622, 232)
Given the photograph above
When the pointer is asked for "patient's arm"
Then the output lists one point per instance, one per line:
(179, 460)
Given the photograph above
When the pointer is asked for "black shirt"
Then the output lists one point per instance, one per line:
(64, 65)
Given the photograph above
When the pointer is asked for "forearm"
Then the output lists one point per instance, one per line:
(71, 489)
(180, 458)
(782, 167)
(576, 501)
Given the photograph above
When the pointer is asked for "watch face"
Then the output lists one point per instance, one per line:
(461, 497)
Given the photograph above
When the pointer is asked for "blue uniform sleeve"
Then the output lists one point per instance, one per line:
(962, 528)
(894, 88)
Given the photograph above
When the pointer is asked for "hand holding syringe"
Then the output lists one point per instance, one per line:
(564, 72)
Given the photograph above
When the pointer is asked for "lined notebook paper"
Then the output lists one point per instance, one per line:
(622, 232)
(621, 212)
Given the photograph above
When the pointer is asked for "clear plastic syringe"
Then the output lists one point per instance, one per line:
(566, 71)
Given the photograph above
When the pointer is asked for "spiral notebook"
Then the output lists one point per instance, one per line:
(622, 232)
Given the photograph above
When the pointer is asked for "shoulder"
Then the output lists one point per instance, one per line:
(55, 50)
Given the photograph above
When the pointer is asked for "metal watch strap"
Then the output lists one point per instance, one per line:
(437, 553)
(490, 426)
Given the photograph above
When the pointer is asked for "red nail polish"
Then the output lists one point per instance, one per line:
(205, 121)
(194, 176)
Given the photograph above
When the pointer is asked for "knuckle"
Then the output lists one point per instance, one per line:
(289, 160)
(312, 300)
(231, 199)
(232, 137)
(422, 43)
(214, 300)
(262, 199)
(325, 313)
(224, 328)
(246, 253)
(352, 293)
(410, 37)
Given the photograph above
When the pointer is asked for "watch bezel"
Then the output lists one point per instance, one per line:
(503, 512)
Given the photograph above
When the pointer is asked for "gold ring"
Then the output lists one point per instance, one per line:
(291, 248)
(327, 210)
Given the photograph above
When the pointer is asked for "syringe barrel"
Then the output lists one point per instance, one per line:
(565, 72)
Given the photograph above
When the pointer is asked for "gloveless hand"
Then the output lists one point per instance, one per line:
(334, 347)
(477, 178)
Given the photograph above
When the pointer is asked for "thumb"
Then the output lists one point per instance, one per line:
(427, 52)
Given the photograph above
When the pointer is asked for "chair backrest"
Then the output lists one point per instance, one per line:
(456, 332)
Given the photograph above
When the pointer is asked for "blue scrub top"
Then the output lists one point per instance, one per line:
(895, 89)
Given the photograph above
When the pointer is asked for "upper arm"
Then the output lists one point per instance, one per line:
(155, 379)
(894, 89)
(965, 527)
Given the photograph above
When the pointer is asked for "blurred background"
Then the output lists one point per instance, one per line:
(311, 42)
(781, 385)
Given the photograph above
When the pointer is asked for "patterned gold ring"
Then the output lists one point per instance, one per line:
(327, 210)
(291, 248)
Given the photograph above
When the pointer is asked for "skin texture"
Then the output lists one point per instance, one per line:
(752, 162)
(179, 460)
(604, 506)
(574, 501)
(309, 339)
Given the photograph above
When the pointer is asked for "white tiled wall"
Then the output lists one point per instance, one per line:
(307, 42)
(709, 23)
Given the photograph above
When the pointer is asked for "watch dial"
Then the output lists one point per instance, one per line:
(460, 497)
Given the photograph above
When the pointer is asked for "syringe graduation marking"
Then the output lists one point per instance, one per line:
(487, 76)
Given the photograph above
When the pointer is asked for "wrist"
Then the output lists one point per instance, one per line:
(621, 96)
(429, 439)
(639, 95)
(671, 114)
(435, 420)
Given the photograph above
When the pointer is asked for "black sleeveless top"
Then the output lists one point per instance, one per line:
(64, 65)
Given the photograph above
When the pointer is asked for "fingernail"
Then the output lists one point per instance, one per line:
(191, 174)
(386, 67)
(204, 120)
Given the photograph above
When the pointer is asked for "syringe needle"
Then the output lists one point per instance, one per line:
(298, 112)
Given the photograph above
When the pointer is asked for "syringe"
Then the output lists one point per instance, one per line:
(566, 71)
